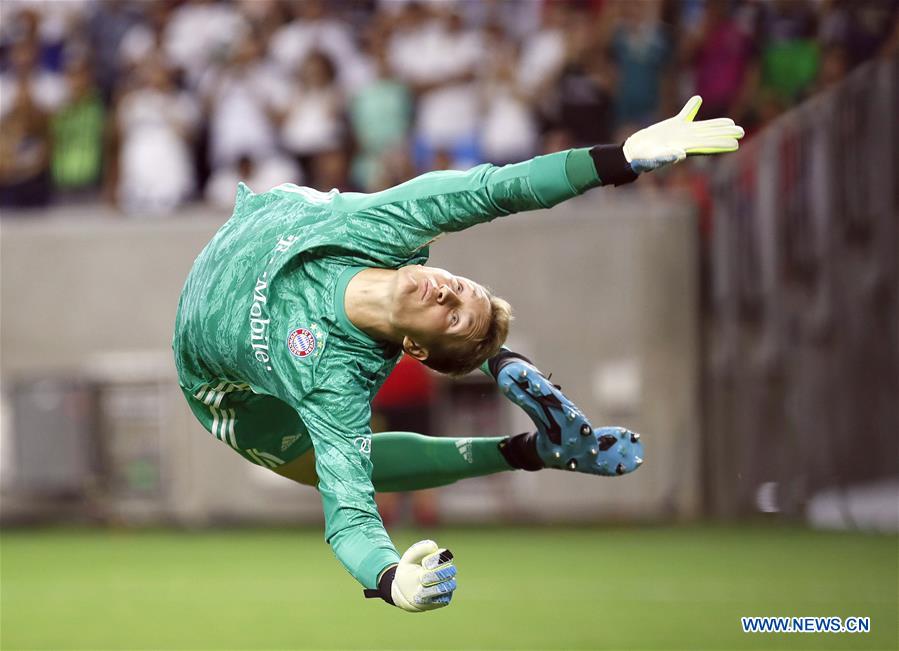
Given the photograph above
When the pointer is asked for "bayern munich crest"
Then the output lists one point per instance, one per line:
(302, 342)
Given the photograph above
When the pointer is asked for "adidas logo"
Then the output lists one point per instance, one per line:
(464, 448)
(287, 441)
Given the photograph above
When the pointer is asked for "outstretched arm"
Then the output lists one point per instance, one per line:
(416, 212)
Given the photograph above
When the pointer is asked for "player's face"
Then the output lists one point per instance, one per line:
(435, 307)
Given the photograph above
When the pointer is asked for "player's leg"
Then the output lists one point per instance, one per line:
(405, 461)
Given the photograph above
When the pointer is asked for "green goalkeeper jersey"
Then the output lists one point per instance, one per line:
(263, 307)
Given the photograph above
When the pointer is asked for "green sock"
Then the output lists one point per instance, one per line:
(404, 461)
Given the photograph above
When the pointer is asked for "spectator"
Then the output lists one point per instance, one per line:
(330, 169)
(46, 89)
(27, 98)
(199, 35)
(438, 57)
(24, 152)
(641, 49)
(834, 67)
(265, 17)
(722, 56)
(395, 166)
(380, 114)
(861, 28)
(543, 53)
(509, 128)
(108, 24)
(313, 122)
(155, 123)
(518, 20)
(313, 30)
(78, 129)
(242, 101)
(790, 55)
(143, 39)
(50, 26)
(260, 176)
(584, 88)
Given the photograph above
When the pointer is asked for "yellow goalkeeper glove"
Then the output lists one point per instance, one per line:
(674, 139)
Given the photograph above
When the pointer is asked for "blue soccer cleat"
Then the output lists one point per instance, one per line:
(565, 438)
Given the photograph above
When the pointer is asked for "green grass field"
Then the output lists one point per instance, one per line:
(519, 588)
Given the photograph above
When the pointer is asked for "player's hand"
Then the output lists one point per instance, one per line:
(424, 579)
(674, 139)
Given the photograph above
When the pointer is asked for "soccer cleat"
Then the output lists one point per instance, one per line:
(565, 438)
(623, 456)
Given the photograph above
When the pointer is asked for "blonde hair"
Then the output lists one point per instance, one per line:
(455, 362)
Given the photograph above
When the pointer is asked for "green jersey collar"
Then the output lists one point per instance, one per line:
(340, 311)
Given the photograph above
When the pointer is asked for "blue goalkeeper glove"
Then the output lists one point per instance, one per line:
(564, 437)
(423, 580)
(674, 139)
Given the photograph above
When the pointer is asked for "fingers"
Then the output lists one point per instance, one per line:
(716, 132)
(434, 603)
(438, 576)
(417, 552)
(439, 584)
(713, 136)
(442, 600)
(441, 589)
(439, 558)
(714, 146)
(715, 122)
(690, 109)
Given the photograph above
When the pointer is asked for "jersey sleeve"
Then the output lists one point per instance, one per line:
(404, 219)
(353, 527)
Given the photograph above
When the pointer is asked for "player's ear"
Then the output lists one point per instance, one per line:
(415, 350)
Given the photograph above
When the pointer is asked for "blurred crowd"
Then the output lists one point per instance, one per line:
(150, 104)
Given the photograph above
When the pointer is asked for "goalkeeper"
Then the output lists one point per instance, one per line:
(300, 306)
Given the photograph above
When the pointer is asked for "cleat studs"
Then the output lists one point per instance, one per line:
(594, 451)
(586, 430)
(606, 441)
(571, 416)
(523, 375)
(572, 464)
(623, 430)
(556, 454)
(619, 469)
(638, 461)
(634, 437)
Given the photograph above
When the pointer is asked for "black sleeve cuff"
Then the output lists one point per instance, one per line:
(384, 587)
(502, 358)
(611, 165)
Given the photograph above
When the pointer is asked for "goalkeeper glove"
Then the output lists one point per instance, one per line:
(423, 580)
(674, 139)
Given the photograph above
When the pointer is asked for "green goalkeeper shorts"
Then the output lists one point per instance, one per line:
(260, 428)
